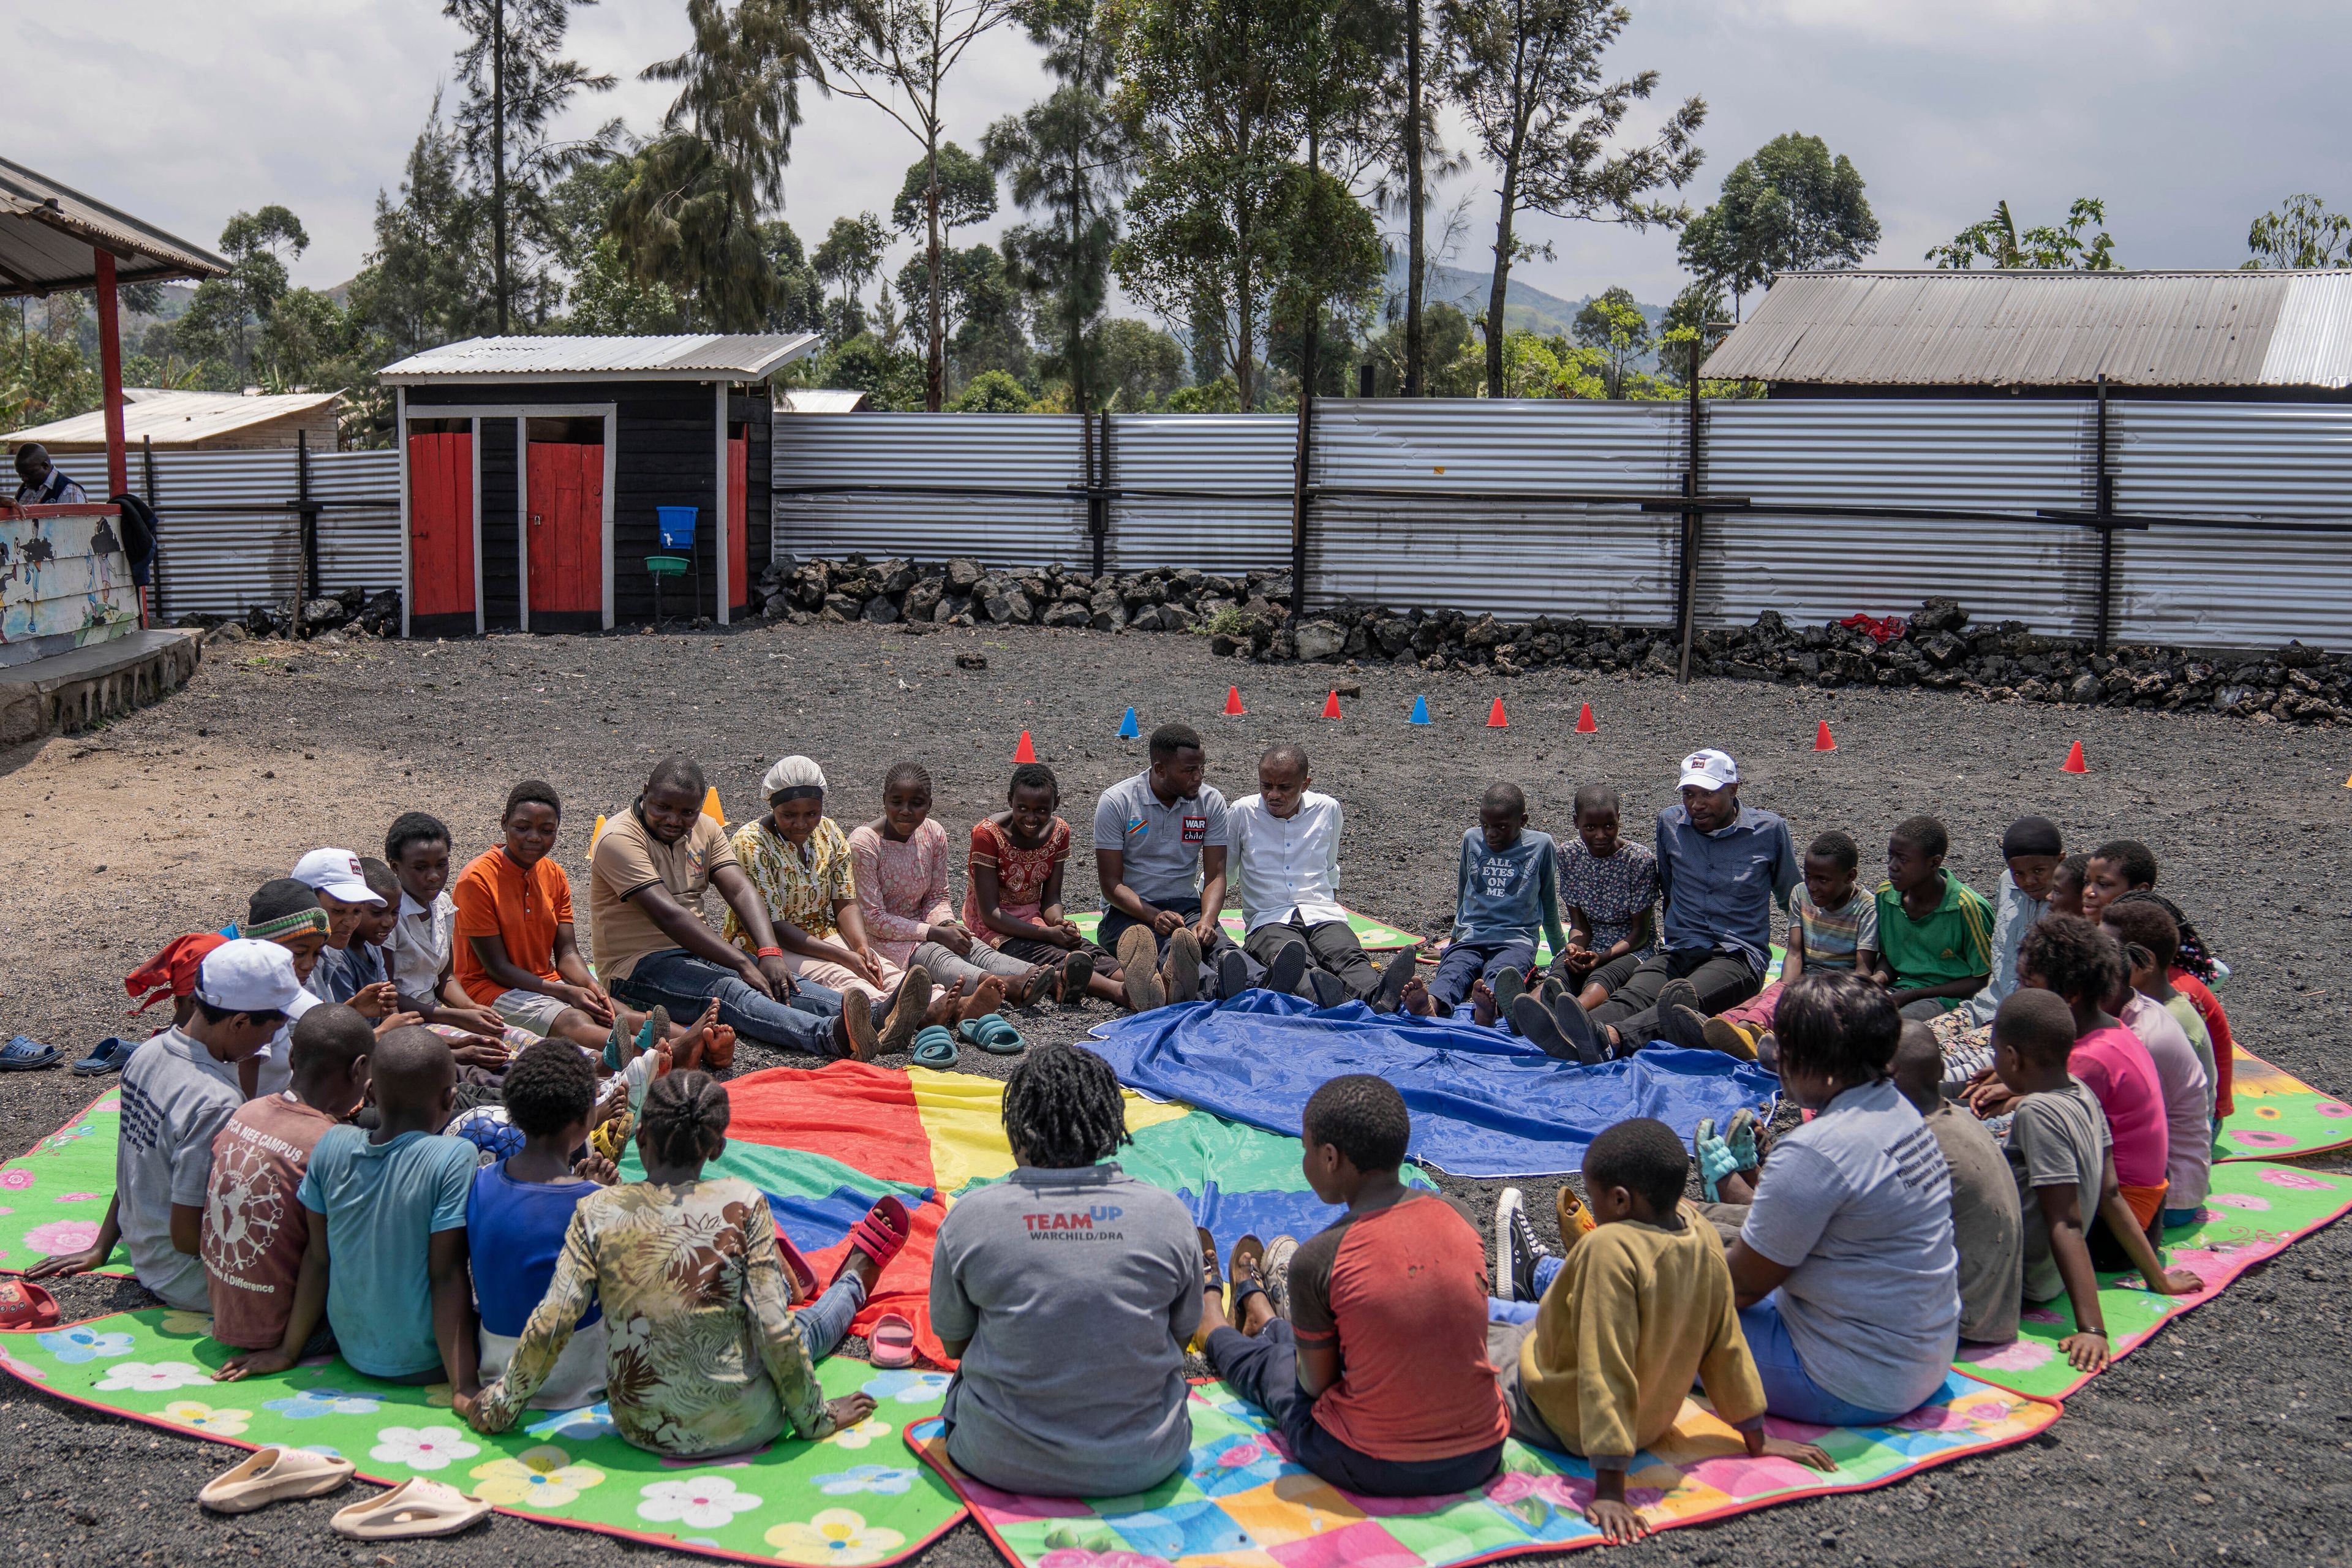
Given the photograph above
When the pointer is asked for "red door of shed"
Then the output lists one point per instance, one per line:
(739, 475)
(441, 525)
(566, 527)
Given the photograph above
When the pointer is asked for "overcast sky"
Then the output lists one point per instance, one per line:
(2186, 117)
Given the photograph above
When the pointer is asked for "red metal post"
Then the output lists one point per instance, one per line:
(110, 366)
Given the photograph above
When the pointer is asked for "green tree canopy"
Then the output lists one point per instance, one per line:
(2301, 234)
(1612, 325)
(2054, 247)
(967, 192)
(1790, 207)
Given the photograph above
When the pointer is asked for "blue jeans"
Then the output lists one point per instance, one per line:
(677, 980)
(1789, 1392)
(1465, 962)
(1501, 1312)
(824, 1324)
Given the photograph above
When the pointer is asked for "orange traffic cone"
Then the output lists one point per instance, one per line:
(1331, 706)
(1822, 740)
(1495, 720)
(2074, 764)
(1024, 752)
(1584, 724)
(711, 809)
(1233, 708)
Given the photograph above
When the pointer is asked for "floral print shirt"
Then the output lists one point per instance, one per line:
(1614, 894)
(703, 1355)
(1021, 874)
(800, 885)
(901, 886)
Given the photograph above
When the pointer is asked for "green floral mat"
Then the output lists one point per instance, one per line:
(2253, 1213)
(2277, 1116)
(1240, 1504)
(855, 1498)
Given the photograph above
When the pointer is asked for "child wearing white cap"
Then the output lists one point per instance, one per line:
(179, 1091)
(349, 966)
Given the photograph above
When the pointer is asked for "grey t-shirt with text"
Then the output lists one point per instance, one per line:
(1075, 1288)
(1160, 846)
(175, 1098)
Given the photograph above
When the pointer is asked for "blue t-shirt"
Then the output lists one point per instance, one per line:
(522, 1224)
(383, 1204)
(1507, 895)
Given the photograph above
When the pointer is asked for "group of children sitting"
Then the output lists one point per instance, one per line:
(385, 1078)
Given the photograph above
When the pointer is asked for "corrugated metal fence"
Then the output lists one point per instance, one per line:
(2231, 528)
(231, 528)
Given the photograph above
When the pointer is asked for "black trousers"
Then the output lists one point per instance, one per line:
(1330, 945)
(1723, 980)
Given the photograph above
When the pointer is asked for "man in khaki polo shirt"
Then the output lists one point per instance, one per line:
(646, 877)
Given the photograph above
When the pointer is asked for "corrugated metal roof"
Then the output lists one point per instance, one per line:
(2046, 329)
(47, 232)
(178, 418)
(698, 357)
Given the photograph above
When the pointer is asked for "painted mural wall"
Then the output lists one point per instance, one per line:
(64, 581)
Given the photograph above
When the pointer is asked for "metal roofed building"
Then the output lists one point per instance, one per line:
(198, 422)
(532, 470)
(2205, 336)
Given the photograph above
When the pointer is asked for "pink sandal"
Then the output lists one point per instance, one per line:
(882, 1233)
(891, 1345)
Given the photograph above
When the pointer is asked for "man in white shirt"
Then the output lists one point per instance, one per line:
(1284, 845)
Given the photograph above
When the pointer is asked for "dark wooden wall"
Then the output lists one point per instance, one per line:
(668, 452)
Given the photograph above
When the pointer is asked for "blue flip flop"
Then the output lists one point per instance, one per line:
(108, 1055)
(25, 1053)
(992, 1034)
(935, 1047)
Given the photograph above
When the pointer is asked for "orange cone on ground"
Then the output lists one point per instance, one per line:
(2074, 764)
(1331, 706)
(1584, 724)
(1822, 740)
(711, 809)
(1024, 752)
(1233, 708)
(1495, 720)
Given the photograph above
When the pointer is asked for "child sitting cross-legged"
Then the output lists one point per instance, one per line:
(2060, 1151)
(385, 1208)
(1641, 1308)
(1379, 1381)
(1832, 925)
(705, 1354)
(256, 1229)
(1507, 887)
(2184, 1074)
(1935, 931)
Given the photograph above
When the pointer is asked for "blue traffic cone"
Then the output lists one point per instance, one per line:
(1128, 730)
(1419, 711)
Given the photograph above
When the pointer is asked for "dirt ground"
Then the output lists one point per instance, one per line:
(2228, 1438)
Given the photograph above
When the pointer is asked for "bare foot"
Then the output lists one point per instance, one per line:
(1482, 1003)
(943, 1010)
(687, 1046)
(1416, 1000)
(986, 999)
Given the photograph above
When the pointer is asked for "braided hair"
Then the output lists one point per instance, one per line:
(1063, 1108)
(913, 773)
(684, 1118)
(2194, 955)
(1036, 775)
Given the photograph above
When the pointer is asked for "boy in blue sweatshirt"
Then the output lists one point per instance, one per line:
(1509, 885)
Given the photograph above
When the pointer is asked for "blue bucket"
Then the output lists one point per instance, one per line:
(676, 526)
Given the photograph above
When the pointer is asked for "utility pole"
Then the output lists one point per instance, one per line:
(1414, 260)
(498, 153)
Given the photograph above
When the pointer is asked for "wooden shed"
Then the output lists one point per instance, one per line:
(532, 470)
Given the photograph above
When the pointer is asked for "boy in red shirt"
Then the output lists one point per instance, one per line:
(1379, 1381)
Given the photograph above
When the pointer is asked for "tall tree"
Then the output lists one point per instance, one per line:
(1220, 96)
(1068, 157)
(427, 280)
(2301, 234)
(952, 189)
(1528, 76)
(1790, 207)
(897, 55)
(1612, 325)
(220, 319)
(516, 85)
(849, 257)
(2063, 247)
(691, 211)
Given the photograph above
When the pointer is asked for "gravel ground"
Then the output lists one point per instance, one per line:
(2230, 1437)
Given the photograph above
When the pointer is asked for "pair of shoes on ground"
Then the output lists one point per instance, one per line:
(1147, 981)
(411, 1510)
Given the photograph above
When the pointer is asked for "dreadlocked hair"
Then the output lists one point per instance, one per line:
(1063, 1108)
(906, 773)
(2194, 955)
(684, 1118)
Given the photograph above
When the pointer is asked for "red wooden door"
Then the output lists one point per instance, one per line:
(739, 473)
(441, 525)
(566, 527)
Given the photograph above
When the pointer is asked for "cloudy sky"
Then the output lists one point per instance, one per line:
(2187, 118)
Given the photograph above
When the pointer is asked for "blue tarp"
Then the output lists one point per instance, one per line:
(1483, 1103)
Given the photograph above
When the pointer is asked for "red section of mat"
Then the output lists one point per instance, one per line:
(859, 1114)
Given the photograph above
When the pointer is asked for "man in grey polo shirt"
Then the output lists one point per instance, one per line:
(1722, 865)
(1159, 853)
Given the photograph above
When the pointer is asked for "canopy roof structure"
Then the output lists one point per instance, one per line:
(50, 233)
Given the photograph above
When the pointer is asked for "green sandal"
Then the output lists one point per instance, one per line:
(935, 1047)
(992, 1034)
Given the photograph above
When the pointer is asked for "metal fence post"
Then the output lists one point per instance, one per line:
(1299, 495)
(1098, 507)
(2103, 506)
(155, 566)
(1688, 595)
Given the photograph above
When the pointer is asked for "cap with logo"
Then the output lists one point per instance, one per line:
(1709, 769)
(248, 976)
(337, 874)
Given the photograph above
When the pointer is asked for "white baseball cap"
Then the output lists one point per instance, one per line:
(335, 872)
(1708, 770)
(248, 976)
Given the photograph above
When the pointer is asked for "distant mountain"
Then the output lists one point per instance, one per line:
(1526, 308)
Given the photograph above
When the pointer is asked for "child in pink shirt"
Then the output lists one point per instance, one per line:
(899, 862)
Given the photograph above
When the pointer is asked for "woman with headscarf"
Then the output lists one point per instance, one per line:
(799, 860)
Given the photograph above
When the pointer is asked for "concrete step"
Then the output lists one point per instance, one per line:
(74, 690)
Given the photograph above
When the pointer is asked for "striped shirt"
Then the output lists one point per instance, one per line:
(1832, 936)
